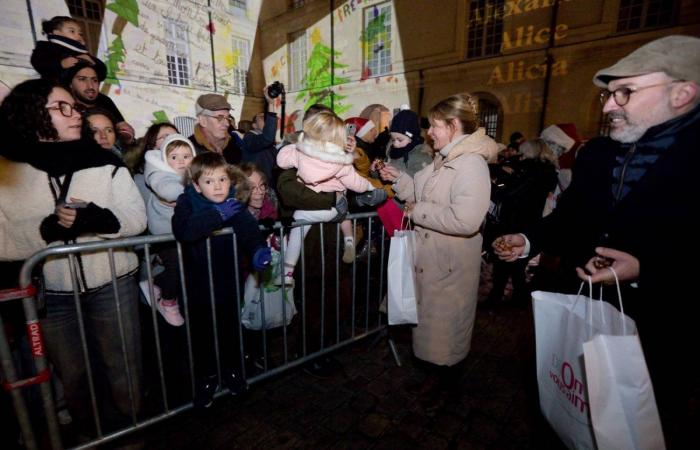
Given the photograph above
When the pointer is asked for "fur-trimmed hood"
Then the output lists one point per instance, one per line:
(158, 160)
(324, 151)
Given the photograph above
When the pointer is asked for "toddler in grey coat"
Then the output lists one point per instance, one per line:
(164, 174)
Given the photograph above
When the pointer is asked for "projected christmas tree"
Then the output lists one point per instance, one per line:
(127, 11)
(319, 79)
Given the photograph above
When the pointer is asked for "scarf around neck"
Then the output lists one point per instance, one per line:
(60, 158)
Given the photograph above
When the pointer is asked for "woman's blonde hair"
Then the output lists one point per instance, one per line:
(463, 107)
(325, 126)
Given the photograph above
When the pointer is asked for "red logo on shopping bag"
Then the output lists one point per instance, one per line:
(34, 333)
(572, 387)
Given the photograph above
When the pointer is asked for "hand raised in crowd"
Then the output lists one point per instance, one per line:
(350, 144)
(386, 171)
(87, 58)
(626, 266)
(69, 62)
(66, 214)
(509, 247)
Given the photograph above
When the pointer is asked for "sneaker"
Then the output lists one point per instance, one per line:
(349, 252)
(288, 279)
(64, 417)
(170, 311)
(234, 382)
(204, 392)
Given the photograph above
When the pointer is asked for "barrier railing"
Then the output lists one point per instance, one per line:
(323, 325)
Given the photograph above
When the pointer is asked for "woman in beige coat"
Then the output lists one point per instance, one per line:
(447, 202)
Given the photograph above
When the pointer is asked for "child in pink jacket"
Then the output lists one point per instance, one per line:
(323, 165)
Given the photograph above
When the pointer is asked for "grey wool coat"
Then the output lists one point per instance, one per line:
(452, 198)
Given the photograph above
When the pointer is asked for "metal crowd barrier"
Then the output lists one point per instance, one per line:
(364, 320)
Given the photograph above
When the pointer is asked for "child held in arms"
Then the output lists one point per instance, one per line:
(64, 48)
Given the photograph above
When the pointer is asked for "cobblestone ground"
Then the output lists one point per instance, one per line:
(367, 404)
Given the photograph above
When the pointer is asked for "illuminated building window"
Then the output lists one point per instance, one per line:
(297, 60)
(177, 53)
(238, 6)
(88, 13)
(377, 39)
(485, 28)
(637, 14)
(488, 117)
(241, 48)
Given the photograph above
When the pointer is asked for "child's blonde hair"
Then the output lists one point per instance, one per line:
(325, 126)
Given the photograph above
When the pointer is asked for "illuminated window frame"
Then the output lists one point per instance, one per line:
(485, 34)
(240, 72)
(238, 7)
(88, 13)
(642, 14)
(377, 53)
(297, 60)
(177, 53)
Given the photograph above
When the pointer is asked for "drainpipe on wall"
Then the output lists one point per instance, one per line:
(549, 61)
(330, 4)
(211, 43)
(31, 19)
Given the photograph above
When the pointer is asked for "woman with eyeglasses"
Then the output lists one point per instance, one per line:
(59, 189)
(263, 201)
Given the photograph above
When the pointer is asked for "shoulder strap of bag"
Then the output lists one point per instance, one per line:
(64, 188)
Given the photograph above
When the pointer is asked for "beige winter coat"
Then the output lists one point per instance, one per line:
(452, 197)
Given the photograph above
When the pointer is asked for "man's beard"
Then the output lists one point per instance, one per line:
(84, 100)
(626, 133)
(632, 131)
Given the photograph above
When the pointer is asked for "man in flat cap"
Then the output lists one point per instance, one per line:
(633, 204)
(211, 133)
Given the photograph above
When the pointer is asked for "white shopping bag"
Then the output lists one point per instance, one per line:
(622, 403)
(278, 303)
(401, 279)
(562, 324)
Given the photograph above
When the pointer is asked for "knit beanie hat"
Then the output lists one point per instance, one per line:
(406, 122)
(363, 126)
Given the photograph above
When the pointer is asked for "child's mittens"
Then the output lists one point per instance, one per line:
(229, 208)
(262, 258)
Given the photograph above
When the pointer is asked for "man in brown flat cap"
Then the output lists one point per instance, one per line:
(633, 204)
(211, 133)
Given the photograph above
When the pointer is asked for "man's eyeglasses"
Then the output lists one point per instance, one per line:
(622, 95)
(220, 119)
(66, 108)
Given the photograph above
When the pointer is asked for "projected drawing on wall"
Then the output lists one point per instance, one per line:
(126, 11)
(319, 79)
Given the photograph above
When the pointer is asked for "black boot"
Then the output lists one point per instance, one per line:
(204, 392)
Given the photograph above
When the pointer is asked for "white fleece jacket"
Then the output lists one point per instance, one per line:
(26, 199)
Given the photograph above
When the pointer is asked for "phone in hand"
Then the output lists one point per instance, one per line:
(75, 205)
(350, 129)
